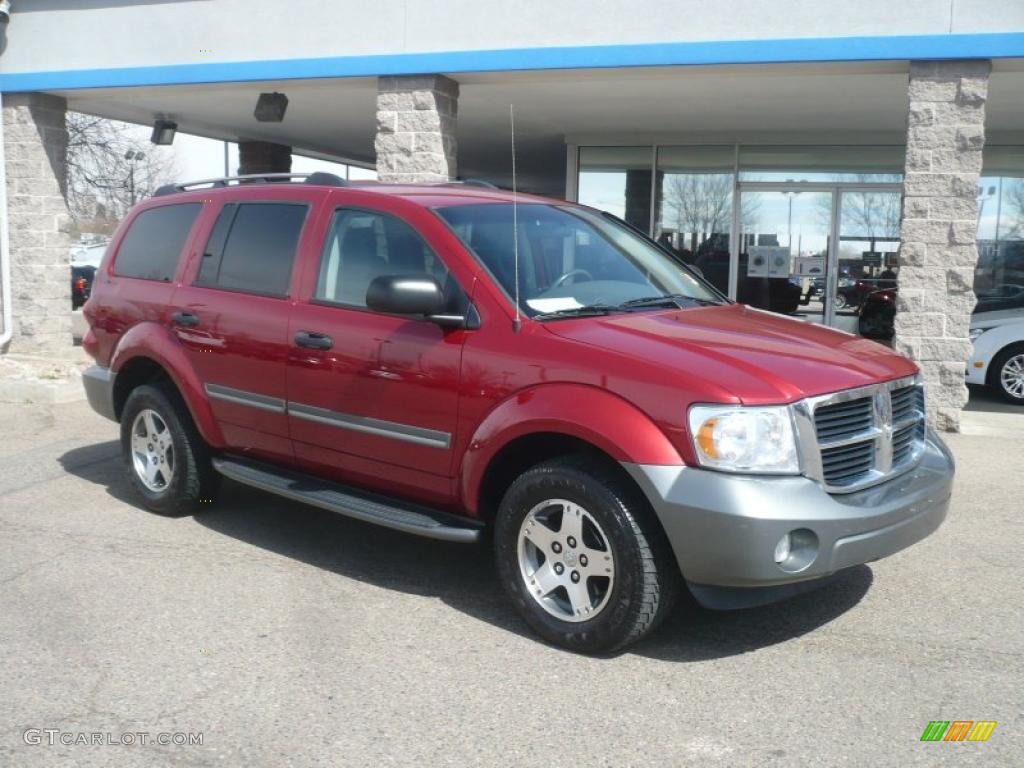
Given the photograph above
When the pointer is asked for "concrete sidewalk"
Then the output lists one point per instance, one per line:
(290, 636)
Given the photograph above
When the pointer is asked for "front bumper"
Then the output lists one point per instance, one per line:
(724, 528)
(99, 390)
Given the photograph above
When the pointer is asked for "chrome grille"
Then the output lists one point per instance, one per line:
(856, 438)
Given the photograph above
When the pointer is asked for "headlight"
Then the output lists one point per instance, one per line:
(737, 439)
(975, 333)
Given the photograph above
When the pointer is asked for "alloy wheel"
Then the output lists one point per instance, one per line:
(152, 450)
(1012, 376)
(566, 560)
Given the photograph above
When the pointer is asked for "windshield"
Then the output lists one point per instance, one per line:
(572, 260)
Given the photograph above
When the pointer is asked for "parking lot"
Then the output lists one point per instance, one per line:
(290, 636)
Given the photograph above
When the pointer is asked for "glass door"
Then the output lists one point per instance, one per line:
(826, 253)
(784, 255)
(867, 267)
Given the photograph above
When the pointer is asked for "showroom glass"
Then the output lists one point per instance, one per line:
(363, 245)
(568, 257)
(252, 248)
(694, 198)
(860, 164)
(617, 180)
(999, 276)
(152, 246)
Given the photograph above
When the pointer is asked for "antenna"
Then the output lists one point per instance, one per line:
(517, 323)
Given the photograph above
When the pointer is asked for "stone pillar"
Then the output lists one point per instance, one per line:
(416, 118)
(263, 157)
(938, 254)
(35, 149)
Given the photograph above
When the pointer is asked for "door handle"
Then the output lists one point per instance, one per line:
(186, 319)
(313, 340)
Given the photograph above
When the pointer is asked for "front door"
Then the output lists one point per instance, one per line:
(815, 251)
(373, 397)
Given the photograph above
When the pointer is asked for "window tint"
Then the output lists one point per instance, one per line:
(252, 248)
(152, 246)
(361, 246)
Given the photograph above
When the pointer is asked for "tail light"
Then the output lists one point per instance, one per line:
(81, 284)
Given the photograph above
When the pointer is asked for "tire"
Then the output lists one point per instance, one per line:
(533, 537)
(1006, 374)
(841, 302)
(184, 480)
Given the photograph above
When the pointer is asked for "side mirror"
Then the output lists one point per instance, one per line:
(405, 295)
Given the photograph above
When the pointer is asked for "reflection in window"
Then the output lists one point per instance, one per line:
(617, 180)
(694, 207)
(999, 275)
(864, 164)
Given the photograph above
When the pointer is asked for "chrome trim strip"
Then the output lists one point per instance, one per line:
(420, 436)
(241, 397)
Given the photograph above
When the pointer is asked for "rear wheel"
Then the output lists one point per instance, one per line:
(167, 461)
(582, 557)
(1007, 374)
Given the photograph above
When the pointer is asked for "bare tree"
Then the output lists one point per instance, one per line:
(109, 170)
(699, 204)
(1013, 209)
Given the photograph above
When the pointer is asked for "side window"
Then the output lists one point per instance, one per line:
(152, 246)
(363, 245)
(252, 248)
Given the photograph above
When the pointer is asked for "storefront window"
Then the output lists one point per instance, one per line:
(999, 277)
(617, 180)
(694, 198)
(865, 165)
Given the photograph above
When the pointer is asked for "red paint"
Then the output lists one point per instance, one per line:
(622, 383)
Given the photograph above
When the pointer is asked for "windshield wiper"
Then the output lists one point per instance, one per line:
(588, 310)
(671, 299)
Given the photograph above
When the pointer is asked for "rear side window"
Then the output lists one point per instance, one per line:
(152, 246)
(252, 248)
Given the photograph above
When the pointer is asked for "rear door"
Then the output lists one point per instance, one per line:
(232, 319)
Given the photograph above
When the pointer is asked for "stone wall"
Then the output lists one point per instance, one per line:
(416, 117)
(945, 137)
(35, 147)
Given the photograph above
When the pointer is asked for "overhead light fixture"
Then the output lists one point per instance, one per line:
(270, 107)
(163, 132)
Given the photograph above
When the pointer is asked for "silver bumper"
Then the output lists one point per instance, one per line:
(99, 390)
(724, 528)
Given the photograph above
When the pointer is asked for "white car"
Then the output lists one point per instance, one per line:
(998, 357)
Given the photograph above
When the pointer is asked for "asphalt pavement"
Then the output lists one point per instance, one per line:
(284, 635)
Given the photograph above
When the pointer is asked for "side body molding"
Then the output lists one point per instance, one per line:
(588, 413)
(154, 341)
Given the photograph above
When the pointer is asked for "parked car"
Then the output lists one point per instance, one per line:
(878, 312)
(877, 315)
(84, 262)
(997, 357)
(81, 284)
(621, 430)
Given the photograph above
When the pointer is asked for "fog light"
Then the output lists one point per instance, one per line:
(782, 549)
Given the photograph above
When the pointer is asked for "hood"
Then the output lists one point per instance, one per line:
(735, 351)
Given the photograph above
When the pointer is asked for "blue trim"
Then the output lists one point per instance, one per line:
(821, 49)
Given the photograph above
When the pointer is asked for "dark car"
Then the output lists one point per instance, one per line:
(877, 315)
(82, 276)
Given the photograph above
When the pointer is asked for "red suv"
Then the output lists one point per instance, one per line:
(452, 359)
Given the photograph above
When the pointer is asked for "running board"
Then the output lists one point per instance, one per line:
(369, 507)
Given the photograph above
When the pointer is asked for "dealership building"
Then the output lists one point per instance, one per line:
(800, 153)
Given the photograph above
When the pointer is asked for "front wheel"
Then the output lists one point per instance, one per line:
(582, 556)
(1007, 374)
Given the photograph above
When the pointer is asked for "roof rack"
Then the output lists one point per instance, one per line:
(316, 177)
